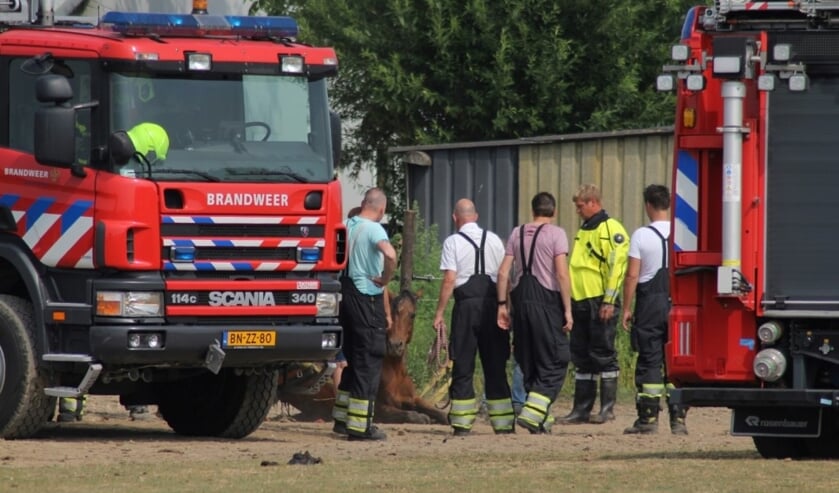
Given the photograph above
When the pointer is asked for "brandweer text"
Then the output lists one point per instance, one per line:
(248, 199)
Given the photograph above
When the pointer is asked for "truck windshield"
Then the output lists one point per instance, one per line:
(230, 128)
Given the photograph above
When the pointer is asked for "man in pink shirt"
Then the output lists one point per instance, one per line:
(541, 318)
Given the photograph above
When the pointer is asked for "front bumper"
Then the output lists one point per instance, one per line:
(751, 397)
(187, 345)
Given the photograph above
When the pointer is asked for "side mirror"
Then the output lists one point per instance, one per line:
(120, 147)
(55, 136)
(335, 130)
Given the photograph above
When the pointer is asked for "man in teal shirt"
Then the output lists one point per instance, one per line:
(370, 266)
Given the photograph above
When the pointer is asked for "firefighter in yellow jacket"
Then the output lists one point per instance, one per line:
(597, 266)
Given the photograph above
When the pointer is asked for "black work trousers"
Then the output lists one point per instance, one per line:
(540, 344)
(475, 330)
(649, 330)
(365, 337)
(593, 340)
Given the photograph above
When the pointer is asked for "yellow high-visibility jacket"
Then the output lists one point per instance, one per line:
(598, 259)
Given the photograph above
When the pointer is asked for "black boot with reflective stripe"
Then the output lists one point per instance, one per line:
(647, 422)
(462, 415)
(677, 419)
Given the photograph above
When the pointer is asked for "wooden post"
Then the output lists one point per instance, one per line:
(409, 238)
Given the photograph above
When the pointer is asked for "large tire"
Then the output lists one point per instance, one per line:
(780, 447)
(224, 405)
(24, 407)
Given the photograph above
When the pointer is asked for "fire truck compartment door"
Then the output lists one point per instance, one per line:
(802, 198)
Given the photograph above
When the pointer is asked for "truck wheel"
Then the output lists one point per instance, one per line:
(24, 407)
(824, 446)
(780, 447)
(224, 405)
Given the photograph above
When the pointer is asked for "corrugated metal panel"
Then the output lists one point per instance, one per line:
(621, 165)
(487, 175)
(502, 176)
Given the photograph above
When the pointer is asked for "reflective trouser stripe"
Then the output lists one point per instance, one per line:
(342, 401)
(501, 414)
(359, 415)
(610, 374)
(652, 390)
(463, 413)
(535, 410)
(585, 376)
(73, 405)
(668, 388)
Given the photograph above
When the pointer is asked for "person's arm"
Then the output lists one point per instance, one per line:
(633, 271)
(616, 253)
(503, 292)
(390, 264)
(388, 314)
(564, 281)
(446, 290)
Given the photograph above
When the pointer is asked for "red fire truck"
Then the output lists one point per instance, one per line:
(755, 319)
(185, 282)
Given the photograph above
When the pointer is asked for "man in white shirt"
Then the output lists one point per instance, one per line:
(647, 280)
(470, 261)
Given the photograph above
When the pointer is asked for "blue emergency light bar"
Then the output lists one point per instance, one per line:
(142, 24)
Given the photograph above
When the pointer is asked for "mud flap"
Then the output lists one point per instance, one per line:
(776, 421)
(214, 358)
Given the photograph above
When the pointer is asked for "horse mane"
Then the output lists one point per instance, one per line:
(405, 293)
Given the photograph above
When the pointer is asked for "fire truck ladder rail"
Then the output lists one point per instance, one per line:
(93, 371)
(803, 6)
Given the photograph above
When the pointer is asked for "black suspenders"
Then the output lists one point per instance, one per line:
(480, 261)
(664, 251)
(526, 265)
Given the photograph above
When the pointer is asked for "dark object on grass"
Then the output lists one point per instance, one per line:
(305, 458)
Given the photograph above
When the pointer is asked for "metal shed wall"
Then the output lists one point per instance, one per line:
(485, 174)
(502, 176)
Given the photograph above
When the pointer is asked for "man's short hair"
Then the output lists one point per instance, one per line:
(374, 197)
(658, 196)
(586, 192)
(543, 205)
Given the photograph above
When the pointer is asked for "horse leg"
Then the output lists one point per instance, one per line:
(388, 413)
(437, 415)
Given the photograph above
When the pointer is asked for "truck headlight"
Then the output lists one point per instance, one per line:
(131, 304)
(327, 304)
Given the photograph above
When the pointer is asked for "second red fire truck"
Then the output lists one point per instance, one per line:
(755, 319)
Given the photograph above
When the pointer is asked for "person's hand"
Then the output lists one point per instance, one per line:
(378, 281)
(503, 317)
(439, 323)
(607, 311)
(626, 318)
(389, 321)
(569, 323)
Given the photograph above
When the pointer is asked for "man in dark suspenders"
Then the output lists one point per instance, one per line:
(470, 261)
(647, 280)
(541, 309)
(370, 266)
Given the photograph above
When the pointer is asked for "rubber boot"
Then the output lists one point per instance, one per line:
(585, 392)
(608, 396)
(677, 419)
(647, 422)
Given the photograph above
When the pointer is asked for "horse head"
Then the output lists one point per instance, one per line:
(403, 310)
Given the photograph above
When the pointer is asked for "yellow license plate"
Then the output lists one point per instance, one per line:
(250, 338)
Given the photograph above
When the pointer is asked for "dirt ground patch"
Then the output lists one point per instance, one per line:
(107, 435)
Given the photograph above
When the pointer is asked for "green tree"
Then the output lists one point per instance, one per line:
(437, 71)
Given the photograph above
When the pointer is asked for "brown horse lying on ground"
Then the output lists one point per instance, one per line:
(308, 387)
